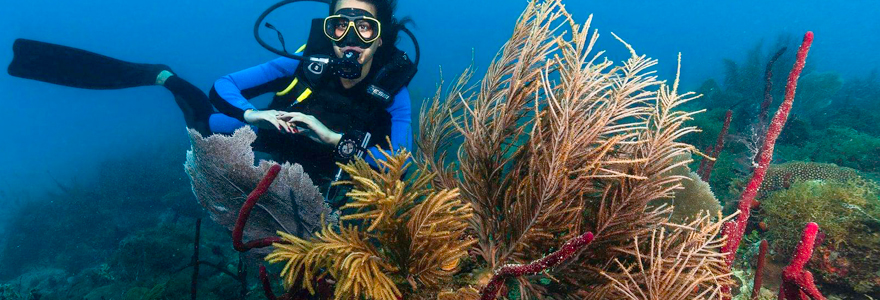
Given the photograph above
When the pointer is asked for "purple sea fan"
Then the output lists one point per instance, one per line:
(222, 171)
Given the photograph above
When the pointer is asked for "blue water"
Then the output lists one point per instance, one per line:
(65, 131)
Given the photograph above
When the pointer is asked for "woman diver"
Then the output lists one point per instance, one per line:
(342, 94)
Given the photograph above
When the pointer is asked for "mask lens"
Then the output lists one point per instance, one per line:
(367, 29)
(336, 27)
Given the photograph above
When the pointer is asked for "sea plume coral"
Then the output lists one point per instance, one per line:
(222, 172)
(398, 237)
(680, 262)
(554, 142)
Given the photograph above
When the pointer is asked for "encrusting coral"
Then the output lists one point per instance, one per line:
(401, 238)
(783, 176)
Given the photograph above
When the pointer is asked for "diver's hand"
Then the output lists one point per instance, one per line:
(267, 119)
(317, 131)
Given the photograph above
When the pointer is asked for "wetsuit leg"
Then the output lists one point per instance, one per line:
(78, 68)
(193, 102)
(73, 67)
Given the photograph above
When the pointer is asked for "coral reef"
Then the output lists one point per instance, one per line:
(47, 231)
(818, 92)
(842, 146)
(850, 212)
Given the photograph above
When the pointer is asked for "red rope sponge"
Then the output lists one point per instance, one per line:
(566, 252)
(735, 230)
(245, 213)
(797, 284)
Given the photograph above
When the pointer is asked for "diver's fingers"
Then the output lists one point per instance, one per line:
(287, 127)
(288, 115)
(281, 126)
(298, 117)
(304, 119)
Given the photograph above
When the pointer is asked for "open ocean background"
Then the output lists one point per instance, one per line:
(65, 131)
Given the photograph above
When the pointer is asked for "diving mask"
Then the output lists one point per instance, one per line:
(352, 27)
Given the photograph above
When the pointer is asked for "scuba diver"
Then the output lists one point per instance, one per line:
(341, 95)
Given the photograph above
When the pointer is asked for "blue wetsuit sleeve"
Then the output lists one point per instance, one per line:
(228, 94)
(401, 126)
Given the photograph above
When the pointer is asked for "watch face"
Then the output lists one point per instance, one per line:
(347, 148)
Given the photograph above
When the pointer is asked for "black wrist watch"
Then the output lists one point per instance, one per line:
(352, 144)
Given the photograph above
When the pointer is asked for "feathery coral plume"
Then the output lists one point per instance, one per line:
(682, 263)
(406, 238)
(556, 140)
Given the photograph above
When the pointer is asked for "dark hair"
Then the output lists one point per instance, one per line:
(391, 26)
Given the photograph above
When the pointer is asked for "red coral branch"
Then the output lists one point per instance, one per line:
(797, 284)
(735, 230)
(759, 271)
(706, 170)
(267, 288)
(567, 251)
(245, 213)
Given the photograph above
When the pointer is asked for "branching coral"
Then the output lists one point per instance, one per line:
(555, 142)
(681, 262)
(401, 238)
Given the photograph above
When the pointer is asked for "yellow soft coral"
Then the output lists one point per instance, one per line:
(407, 236)
(356, 265)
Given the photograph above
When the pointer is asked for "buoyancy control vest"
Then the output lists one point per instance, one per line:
(359, 108)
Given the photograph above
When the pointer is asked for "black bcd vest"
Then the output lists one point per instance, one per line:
(341, 110)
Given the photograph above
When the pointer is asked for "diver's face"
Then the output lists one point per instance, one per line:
(347, 7)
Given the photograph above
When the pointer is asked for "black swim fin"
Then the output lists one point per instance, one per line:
(73, 67)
